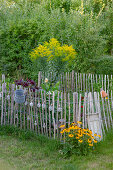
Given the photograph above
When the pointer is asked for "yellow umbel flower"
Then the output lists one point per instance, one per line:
(80, 141)
(70, 135)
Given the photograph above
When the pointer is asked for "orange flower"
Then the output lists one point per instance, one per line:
(91, 144)
(95, 141)
(77, 137)
(62, 126)
(79, 122)
(62, 132)
(70, 135)
(95, 134)
(80, 141)
(89, 140)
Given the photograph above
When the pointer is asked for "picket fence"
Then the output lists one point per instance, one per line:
(43, 112)
(79, 82)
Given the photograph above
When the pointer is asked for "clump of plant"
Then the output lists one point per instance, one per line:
(50, 87)
(28, 84)
(78, 140)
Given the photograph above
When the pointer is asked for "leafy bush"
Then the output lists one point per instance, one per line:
(26, 25)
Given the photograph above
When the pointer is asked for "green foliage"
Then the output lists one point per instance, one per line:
(26, 25)
(50, 87)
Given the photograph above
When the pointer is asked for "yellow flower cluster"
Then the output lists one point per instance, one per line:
(52, 50)
(82, 135)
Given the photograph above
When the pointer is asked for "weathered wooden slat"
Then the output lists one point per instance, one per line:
(73, 80)
(69, 109)
(110, 112)
(100, 114)
(74, 112)
(5, 103)
(9, 98)
(12, 103)
(65, 109)
(53, 118)
(57, 117)
(2, 107)
(50, 109)
(45, 112)
(43, 107)
(104, 113)
(39, 108)
(79, 111)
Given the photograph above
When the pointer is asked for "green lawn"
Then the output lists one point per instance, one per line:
(25, 151)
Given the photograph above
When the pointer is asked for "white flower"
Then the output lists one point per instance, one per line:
(28, 118)
(26, 103)
(31, 104)
(8, 97)
(49, 92)
(35, 123)
(38, 105)
(43, 105)
(50, 108)
(59, 109)
(46, 80)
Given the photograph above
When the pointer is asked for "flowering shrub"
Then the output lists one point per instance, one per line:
(51, 56)
(77, 140)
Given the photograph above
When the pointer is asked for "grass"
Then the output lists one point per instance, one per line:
(25, 151)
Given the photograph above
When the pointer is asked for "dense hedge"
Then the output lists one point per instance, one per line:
(24, 28)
